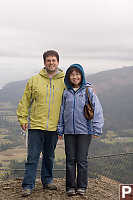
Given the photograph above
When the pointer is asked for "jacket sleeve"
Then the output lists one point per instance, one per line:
(60, 126)
(24, 104)
(98, 120)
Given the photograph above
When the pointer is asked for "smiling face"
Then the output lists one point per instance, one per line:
(75, 78)
(51, 63)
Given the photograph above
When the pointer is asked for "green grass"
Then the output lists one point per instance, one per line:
(6, 105)
(2, 136)
(12, 118)
(3, 130)
(129, 131)
(117, 140)
(5, 141)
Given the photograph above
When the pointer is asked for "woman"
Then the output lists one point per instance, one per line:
(77, 129)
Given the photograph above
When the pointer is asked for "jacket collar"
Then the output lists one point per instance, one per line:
(60, 74)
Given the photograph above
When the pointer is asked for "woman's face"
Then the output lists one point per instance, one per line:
(75, 78)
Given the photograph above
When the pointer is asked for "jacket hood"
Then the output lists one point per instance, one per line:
(79, 67)
(60, 73)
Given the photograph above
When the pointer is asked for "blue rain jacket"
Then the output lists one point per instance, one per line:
(72, 119)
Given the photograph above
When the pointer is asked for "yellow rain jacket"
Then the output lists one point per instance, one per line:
(41, 101)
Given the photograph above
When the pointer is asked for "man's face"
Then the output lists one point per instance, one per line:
(51, 64)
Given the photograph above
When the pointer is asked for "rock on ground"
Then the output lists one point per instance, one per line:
(101, 188)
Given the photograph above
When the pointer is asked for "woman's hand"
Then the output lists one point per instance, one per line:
(60, 137)
(95, 136)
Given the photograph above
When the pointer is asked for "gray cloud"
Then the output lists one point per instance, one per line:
(95, 33)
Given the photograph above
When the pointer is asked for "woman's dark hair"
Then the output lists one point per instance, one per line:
(50, 53)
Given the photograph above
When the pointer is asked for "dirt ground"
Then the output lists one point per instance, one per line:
(101, 188)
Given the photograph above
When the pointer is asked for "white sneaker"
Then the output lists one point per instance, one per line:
(71, 192)
(26, 192)
(81, 191)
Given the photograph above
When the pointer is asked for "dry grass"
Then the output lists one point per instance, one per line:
(19, 153)
(3, 131)
(5, 141)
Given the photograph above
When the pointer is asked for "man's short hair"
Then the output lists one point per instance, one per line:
(50, 53)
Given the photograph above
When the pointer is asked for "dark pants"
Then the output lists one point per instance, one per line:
(39, 141)
(76, 149)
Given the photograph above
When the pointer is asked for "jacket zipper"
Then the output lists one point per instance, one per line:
(49, 103)
(46, 93)
(53, 96)
(73, 114)
(52, 99)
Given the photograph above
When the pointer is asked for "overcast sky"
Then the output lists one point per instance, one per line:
(98, 34)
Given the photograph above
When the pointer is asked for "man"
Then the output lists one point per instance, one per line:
(38, 111)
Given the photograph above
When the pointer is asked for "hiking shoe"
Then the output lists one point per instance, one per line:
(81, 191)
(71, 192)
(26, 192)
(50, 186)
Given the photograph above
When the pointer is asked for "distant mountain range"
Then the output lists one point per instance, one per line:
(114, 89)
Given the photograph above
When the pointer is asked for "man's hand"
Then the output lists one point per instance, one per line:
(24, 126)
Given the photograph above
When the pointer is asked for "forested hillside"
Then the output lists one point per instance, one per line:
(115, 90)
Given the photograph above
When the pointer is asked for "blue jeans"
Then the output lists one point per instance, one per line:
(76, 149)
(39, 141)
